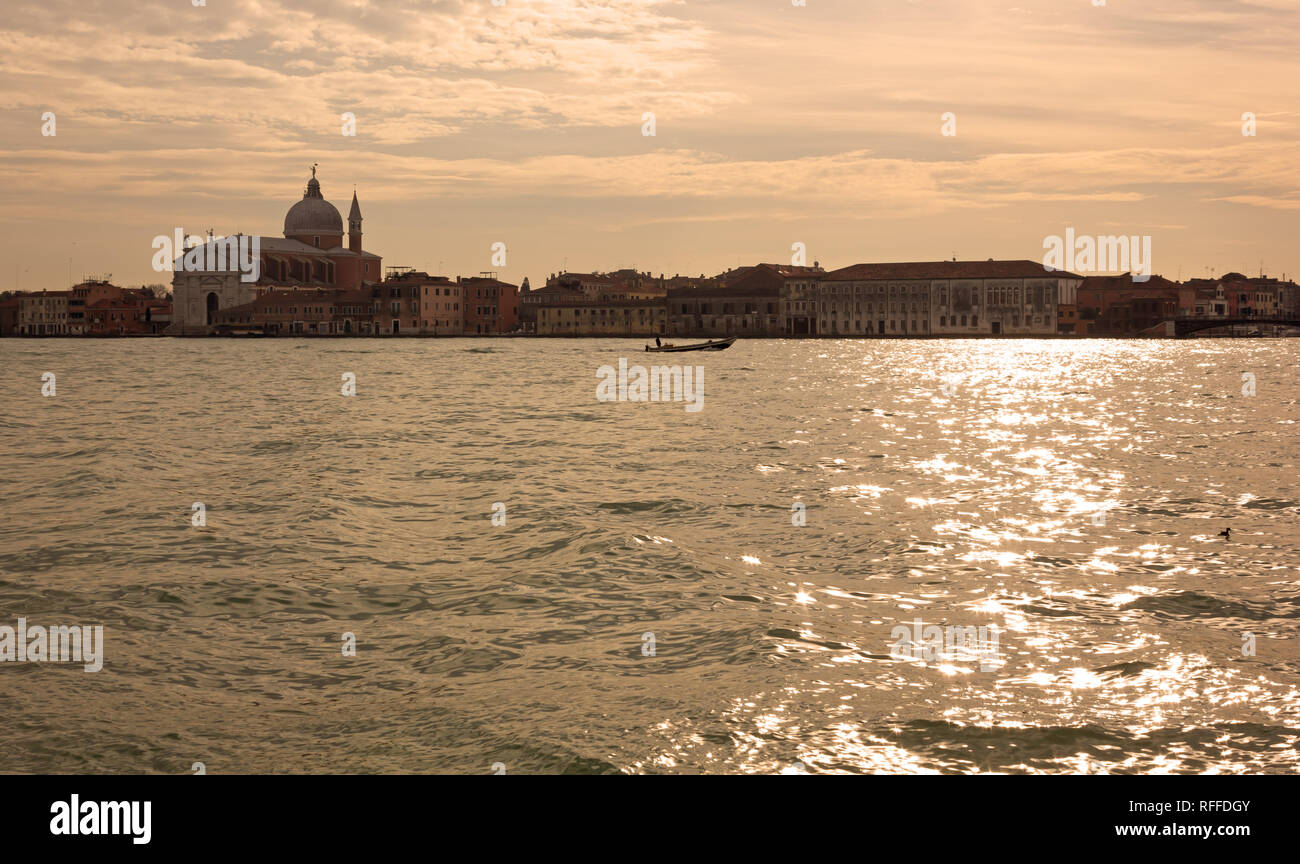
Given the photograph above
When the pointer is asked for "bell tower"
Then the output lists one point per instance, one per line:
(354, 225)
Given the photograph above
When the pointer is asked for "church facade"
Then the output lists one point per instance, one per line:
(310, 257)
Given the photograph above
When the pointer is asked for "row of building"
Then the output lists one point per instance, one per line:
(309, 283)
(407, 303)
(941, 298)
(1119, 306)
(946, 298)
(95, 307)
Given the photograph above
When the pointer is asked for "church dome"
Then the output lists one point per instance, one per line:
(313, 214)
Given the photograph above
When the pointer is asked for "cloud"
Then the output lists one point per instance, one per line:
(830, 110)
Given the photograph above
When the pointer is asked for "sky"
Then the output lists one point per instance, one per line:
(775, 124)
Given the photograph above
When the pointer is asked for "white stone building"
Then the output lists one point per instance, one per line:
(941, 298)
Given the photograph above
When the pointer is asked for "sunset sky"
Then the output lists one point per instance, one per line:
(776, 124)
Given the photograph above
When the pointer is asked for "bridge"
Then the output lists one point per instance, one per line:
(1188, 326)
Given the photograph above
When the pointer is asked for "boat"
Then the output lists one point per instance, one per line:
(711, 345)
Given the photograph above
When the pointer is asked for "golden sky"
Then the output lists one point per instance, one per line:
(776, 124)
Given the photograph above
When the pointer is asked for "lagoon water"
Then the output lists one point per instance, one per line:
(955, 483)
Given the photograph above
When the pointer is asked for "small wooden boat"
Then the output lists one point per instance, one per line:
(712, 345)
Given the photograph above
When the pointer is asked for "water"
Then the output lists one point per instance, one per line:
(1120, 647)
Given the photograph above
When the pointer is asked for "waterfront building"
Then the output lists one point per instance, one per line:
(1119, 306)
(1208, 298)
(97, 307)
(592, 285)
(89, 290)
(9, 306)
(743, 302)
(310, 256)
(127, 313)
(940, 298)
(546, 295)
(93, 307)
(631, 284)
(303, 312)
(1252, 298)
(407, 303)
(442, 307)
(413, 303)
(583, 317)
(491, 306)
(43, 314)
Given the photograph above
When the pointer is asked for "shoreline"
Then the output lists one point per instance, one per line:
(1064, 337)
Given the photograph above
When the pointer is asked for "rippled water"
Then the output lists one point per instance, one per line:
(961, 500)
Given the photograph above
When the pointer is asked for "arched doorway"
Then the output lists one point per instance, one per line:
(212, 307)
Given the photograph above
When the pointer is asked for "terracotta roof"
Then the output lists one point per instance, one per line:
(418, 277)
(596, 304)
(947, 270)
(585, 277)
(790, 271)
(1125, 282)
(762, 281)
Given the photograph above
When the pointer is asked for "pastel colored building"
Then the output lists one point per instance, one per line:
(43, 314)
(491, 306)
(941, 298)
(602, 318)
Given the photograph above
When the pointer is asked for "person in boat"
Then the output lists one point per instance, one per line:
(658, 344)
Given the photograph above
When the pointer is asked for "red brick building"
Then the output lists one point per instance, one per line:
(491, 306)
(1118, 306)
(128, 313)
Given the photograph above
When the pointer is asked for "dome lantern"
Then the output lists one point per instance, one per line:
(313, 216)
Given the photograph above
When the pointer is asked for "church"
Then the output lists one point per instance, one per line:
(311, 256)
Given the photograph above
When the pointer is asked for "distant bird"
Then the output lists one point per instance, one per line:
(1226, 533)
